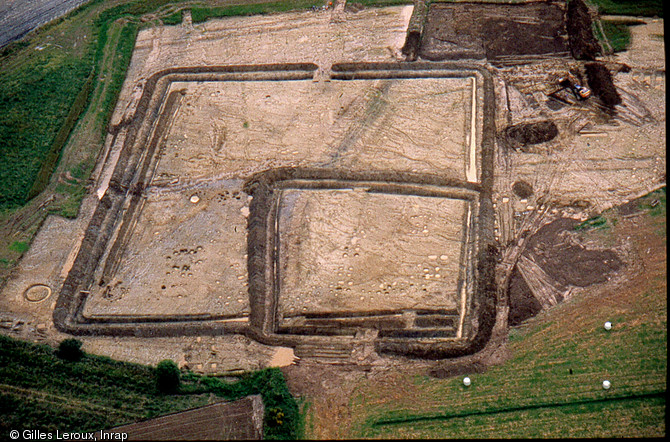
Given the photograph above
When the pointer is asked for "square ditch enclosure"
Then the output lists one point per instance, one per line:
(368, 216)
(398, 259)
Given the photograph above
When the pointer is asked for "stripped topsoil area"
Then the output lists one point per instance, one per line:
(567, 261)
(556, 249)
(478, 30)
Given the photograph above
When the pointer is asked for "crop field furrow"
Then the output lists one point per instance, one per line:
(46, 398)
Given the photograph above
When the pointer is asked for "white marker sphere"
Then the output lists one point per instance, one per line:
(466, 381)
(606, 385)
(608, 325)
(195, 199)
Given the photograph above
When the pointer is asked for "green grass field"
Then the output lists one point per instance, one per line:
(47, 83)
(35, 100)
(39, 391)
(644, 8)
(618, 34)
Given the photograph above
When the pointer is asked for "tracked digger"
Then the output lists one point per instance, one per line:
(580, 92)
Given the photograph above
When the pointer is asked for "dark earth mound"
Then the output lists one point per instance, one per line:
(522, 303)
(583, 44)
(600, 82)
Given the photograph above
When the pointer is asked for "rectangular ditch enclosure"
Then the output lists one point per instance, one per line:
(144, 188)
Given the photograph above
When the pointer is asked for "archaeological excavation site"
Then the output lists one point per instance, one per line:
(349, 185)
(237, 206)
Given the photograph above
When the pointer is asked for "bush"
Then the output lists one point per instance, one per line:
(70, 350)
(128, 391)
(167, 376)
(276, 417)
(19, 246)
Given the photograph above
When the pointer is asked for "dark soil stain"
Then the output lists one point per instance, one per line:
(601, 83)
(522, 303)
(563, 259)
(526, 134)
(522, 189)
(567, 262)
(445, 371)
(478, 30)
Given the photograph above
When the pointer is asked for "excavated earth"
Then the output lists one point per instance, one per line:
(184, 254)
(488, 30)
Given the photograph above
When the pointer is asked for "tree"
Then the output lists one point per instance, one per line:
(70, 350)
(167, 376)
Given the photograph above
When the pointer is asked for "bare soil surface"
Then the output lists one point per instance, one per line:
(181, 257)
(188, 245)
(375, 34)
(168, 266)
(341, 256)
(523, 135)
(522, 302)
(481, 30)
(328, 390)
(228, 130)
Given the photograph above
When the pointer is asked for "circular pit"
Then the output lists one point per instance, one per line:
(37, 293)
